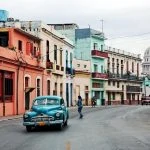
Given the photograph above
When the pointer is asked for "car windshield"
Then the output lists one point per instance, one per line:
(46, 101)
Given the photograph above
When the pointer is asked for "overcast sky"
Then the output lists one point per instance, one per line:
(126, 22)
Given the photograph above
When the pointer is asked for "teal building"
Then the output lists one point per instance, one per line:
(89, 45)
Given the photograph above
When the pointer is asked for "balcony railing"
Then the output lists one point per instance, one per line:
(133, 89)
(97, 53)
(100, 75)
(124, 77)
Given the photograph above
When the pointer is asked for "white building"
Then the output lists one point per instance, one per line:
(56, 56)
(124, 83)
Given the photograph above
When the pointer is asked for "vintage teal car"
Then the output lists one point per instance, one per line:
(46, 111)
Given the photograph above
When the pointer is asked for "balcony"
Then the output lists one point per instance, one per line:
(124, 77)
(97, 75)
(133, 89)
(59, 70)
(100, 54)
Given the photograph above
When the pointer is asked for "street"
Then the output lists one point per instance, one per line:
(102, 128)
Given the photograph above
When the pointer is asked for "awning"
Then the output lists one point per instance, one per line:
(29, 89)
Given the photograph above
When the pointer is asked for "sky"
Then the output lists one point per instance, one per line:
(126, 23)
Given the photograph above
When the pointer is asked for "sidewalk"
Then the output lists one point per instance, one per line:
(10, 117)
(73, 112)
(21, 115)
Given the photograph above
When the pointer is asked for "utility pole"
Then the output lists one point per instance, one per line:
(102, 24)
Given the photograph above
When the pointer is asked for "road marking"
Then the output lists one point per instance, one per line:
(68, 146)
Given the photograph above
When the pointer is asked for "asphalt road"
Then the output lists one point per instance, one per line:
(104, 128)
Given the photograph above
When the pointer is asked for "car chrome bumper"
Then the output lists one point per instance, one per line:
(44, 123)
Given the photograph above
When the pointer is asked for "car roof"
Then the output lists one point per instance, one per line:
(49, 96)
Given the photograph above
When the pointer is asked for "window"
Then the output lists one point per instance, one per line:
(8, 86)
(55, 53)
(4, 39)
(102, 47)
(109, 82)
(78, 65)
(95, 68)
(55, 91)
(28, 48)
(47, 51)
(61, 89)
(102, 70)
(19, 45)
(113, 94)
(66, 58)
(118, 84)
(61, 56)
(113, 83)
(38, 87)
(132, 66)
(122, 87)
(71, 60)
(26, 81)
(34, 51)
(48, 87)
(133, 96)
(95, 46)
(122, 62)
(127, 65)
(86, 87)
(6, 78)
(85, 66)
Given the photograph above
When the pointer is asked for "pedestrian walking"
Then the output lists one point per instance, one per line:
(93, 101)
(80, 106)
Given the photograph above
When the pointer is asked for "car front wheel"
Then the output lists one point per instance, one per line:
(60, 126)
(28, 128)
(66, 123)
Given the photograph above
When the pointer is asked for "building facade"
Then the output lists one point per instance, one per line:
(124, 85)
(89, 46)
(82, 81)
(56, 56)
(20, 72)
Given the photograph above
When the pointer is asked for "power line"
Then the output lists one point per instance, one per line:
(130, 36)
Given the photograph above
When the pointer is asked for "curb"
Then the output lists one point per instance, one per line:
(73, 113)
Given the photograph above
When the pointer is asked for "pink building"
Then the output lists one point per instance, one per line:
(21, 74)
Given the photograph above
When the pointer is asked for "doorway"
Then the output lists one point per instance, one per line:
(86, 98)
(27, 100)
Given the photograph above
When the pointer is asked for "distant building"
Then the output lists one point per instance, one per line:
(146, 72)
(124, 77)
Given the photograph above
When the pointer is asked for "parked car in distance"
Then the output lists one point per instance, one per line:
(145, 100)
(46, 111)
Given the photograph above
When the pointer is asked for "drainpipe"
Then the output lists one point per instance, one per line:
(3, 92)
(17, 97)
(42, 82)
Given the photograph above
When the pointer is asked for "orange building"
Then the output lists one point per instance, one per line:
(21, 74)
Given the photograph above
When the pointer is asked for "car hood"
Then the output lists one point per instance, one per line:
(45, 108)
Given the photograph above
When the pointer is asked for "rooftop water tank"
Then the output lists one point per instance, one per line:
(3, 15)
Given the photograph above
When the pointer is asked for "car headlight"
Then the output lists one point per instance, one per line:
(25, 115)
(57, 114)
